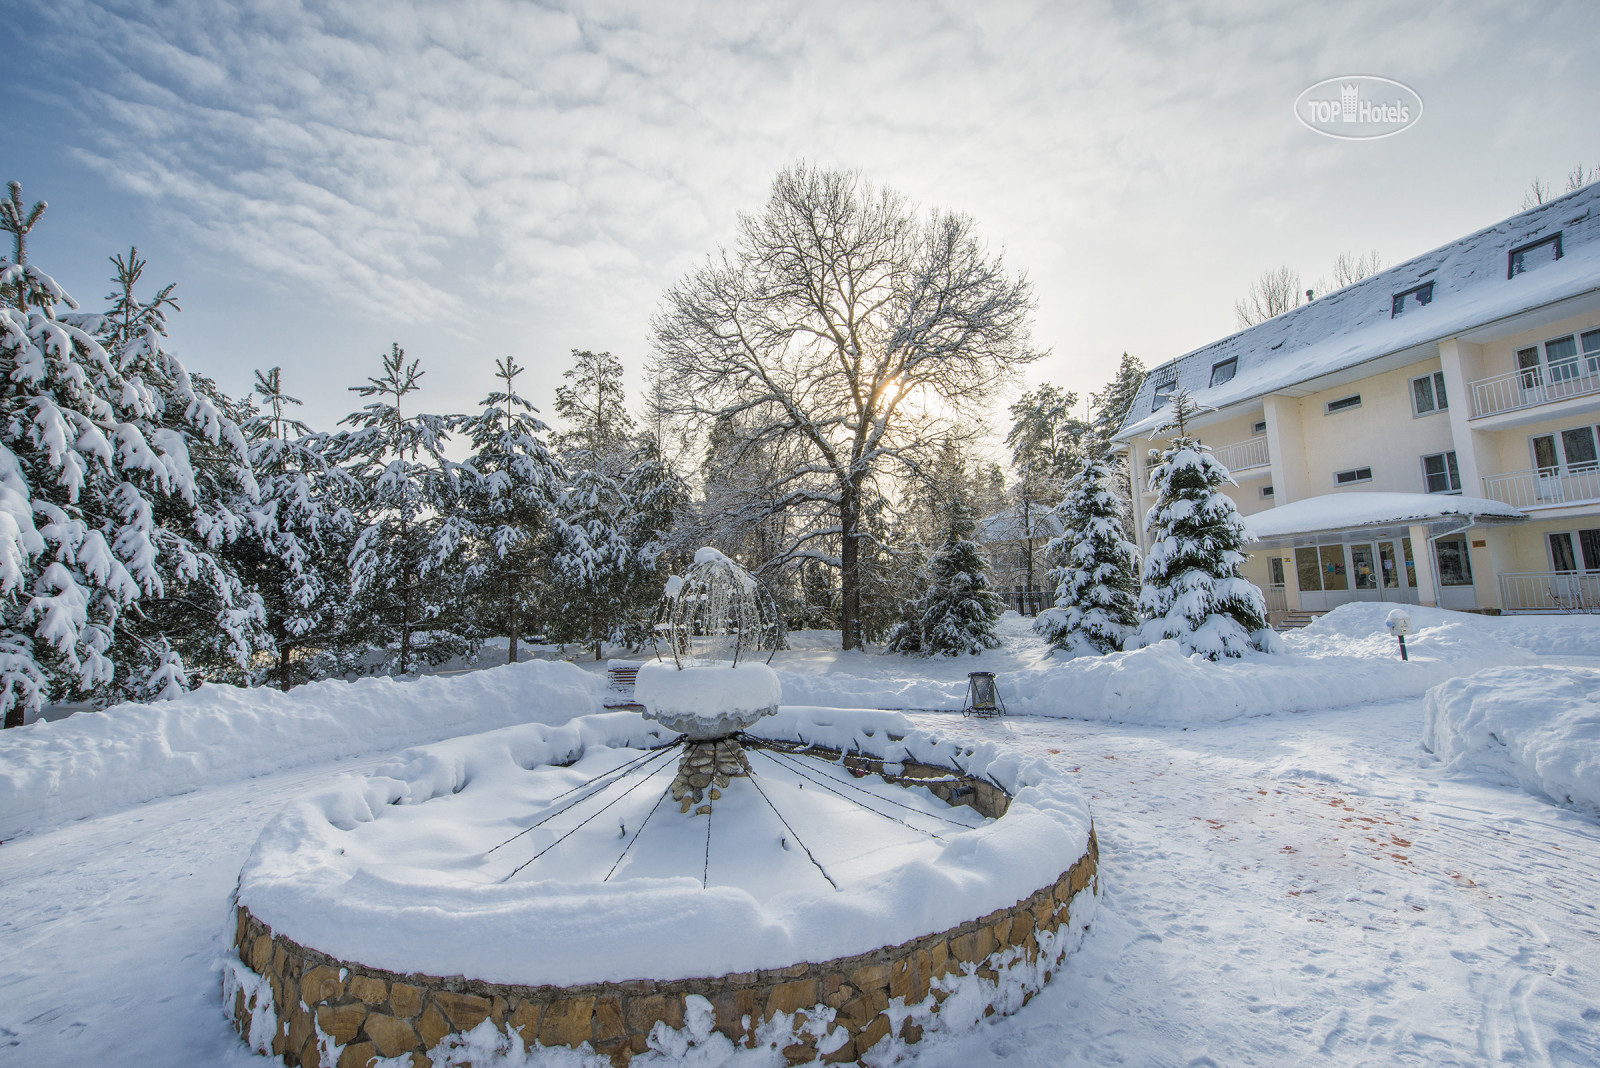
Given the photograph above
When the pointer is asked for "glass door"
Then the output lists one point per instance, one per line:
(1364, 572)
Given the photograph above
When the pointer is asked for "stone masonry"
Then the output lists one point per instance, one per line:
(375, 1013)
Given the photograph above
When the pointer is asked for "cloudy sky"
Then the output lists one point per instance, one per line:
(481, 177)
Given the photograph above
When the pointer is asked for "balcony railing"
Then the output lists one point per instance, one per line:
(1550, 591)
(1575, 377)
(1243, 455)
(1544, 488)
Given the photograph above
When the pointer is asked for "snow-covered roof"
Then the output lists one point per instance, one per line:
(1353, 325)
(1006, 525)
(1343, 511)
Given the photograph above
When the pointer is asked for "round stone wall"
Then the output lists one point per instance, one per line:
(313, 1010)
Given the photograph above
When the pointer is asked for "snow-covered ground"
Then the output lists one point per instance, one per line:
(1309, 887)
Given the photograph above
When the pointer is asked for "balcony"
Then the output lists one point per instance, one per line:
(1561, 380)
(1545, 488)
(1243, 455)
(1550, 591)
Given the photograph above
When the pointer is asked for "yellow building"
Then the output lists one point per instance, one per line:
(1427, 435)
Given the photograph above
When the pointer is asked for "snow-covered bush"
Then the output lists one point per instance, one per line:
(1096, 579)
(1191, 590)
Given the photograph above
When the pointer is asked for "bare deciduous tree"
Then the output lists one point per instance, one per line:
(1274, 293)
(1580, 176)
(1351, 267)
(1539, 192)
(854, 329)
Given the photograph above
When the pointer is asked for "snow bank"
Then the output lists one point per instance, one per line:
(1534, 727)
(94, 761)
(315, 877)
(706, 690)
(1346, 657)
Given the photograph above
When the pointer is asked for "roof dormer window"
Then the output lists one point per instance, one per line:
(1536, 254)
(1164, 389)
(1411, 298)
(1223, 371)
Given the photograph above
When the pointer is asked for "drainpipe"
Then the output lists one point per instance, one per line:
(1433, 557)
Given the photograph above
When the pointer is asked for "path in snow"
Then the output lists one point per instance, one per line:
(1282, 890)
(1307, 889)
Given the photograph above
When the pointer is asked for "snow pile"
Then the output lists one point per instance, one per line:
(1346, 657)
(1536, 727)
(94, 761)
(1552, 635)
(707, 700)
(339, 871)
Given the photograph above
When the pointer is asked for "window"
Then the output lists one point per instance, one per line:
(1344, 404)
(1321, 567)
(1589, 541)
(1570, 549)
(1569, 452)
(1354, 475)
(1526, 258)
(1440, 473)
(1427, 394)
(1455, 566)
(1164, 389)
(1411, 298)
(1223, 372)
(1266, 493)
(1562, 558)
(1260, 425)
(1591, 352)
(1275, 570)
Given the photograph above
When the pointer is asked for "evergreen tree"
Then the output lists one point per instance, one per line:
(118, 476)
(298, 561)
(509, 500)
(1047, 445)
(1097, 577)
(1191, 588)
(1110, 405)
(407, 565)
(958, 613)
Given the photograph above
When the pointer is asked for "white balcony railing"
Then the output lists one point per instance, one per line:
(1575, 377)
(1544, 488)
(1550, 591)
(1243, 455)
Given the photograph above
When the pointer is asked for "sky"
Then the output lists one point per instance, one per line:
(485, 178)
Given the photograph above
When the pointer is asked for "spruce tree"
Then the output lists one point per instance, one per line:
(1097, 572)
(958, 613)
(509, 498)
(407, 565)
(121, 480)
(1191, 587)
(298, 559)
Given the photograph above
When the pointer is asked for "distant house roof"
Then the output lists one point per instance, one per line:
(1353, 325)
(1346, 511)
(1006, 526)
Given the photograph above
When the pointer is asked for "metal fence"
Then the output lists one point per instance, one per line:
(1550, 591)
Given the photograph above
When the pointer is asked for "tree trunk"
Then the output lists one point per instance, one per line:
(849, 568)
(511, 621)
(14, 715)
(285, 649)
(1027, 533)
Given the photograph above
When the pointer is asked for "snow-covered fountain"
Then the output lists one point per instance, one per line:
(828, 883)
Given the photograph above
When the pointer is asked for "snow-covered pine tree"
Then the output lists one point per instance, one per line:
(509, 498)
(958, 613)
(116, 474)
(1191, 587)
(1096, 575)
(408, 573)
(613, 520)
(304, 531)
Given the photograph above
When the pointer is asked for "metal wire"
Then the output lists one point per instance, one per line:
(705, 871)
(775, 812)
(581, 823)
(620, 772)
(789, 763)
(637, 833)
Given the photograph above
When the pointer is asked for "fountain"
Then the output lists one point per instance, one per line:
(829, 881)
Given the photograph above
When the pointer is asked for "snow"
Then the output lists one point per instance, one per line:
(92, 761)
(1534, 727)
(402, 870)
(1341, 511)
(706, 691)
(1308, 888)
(1354, 324)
